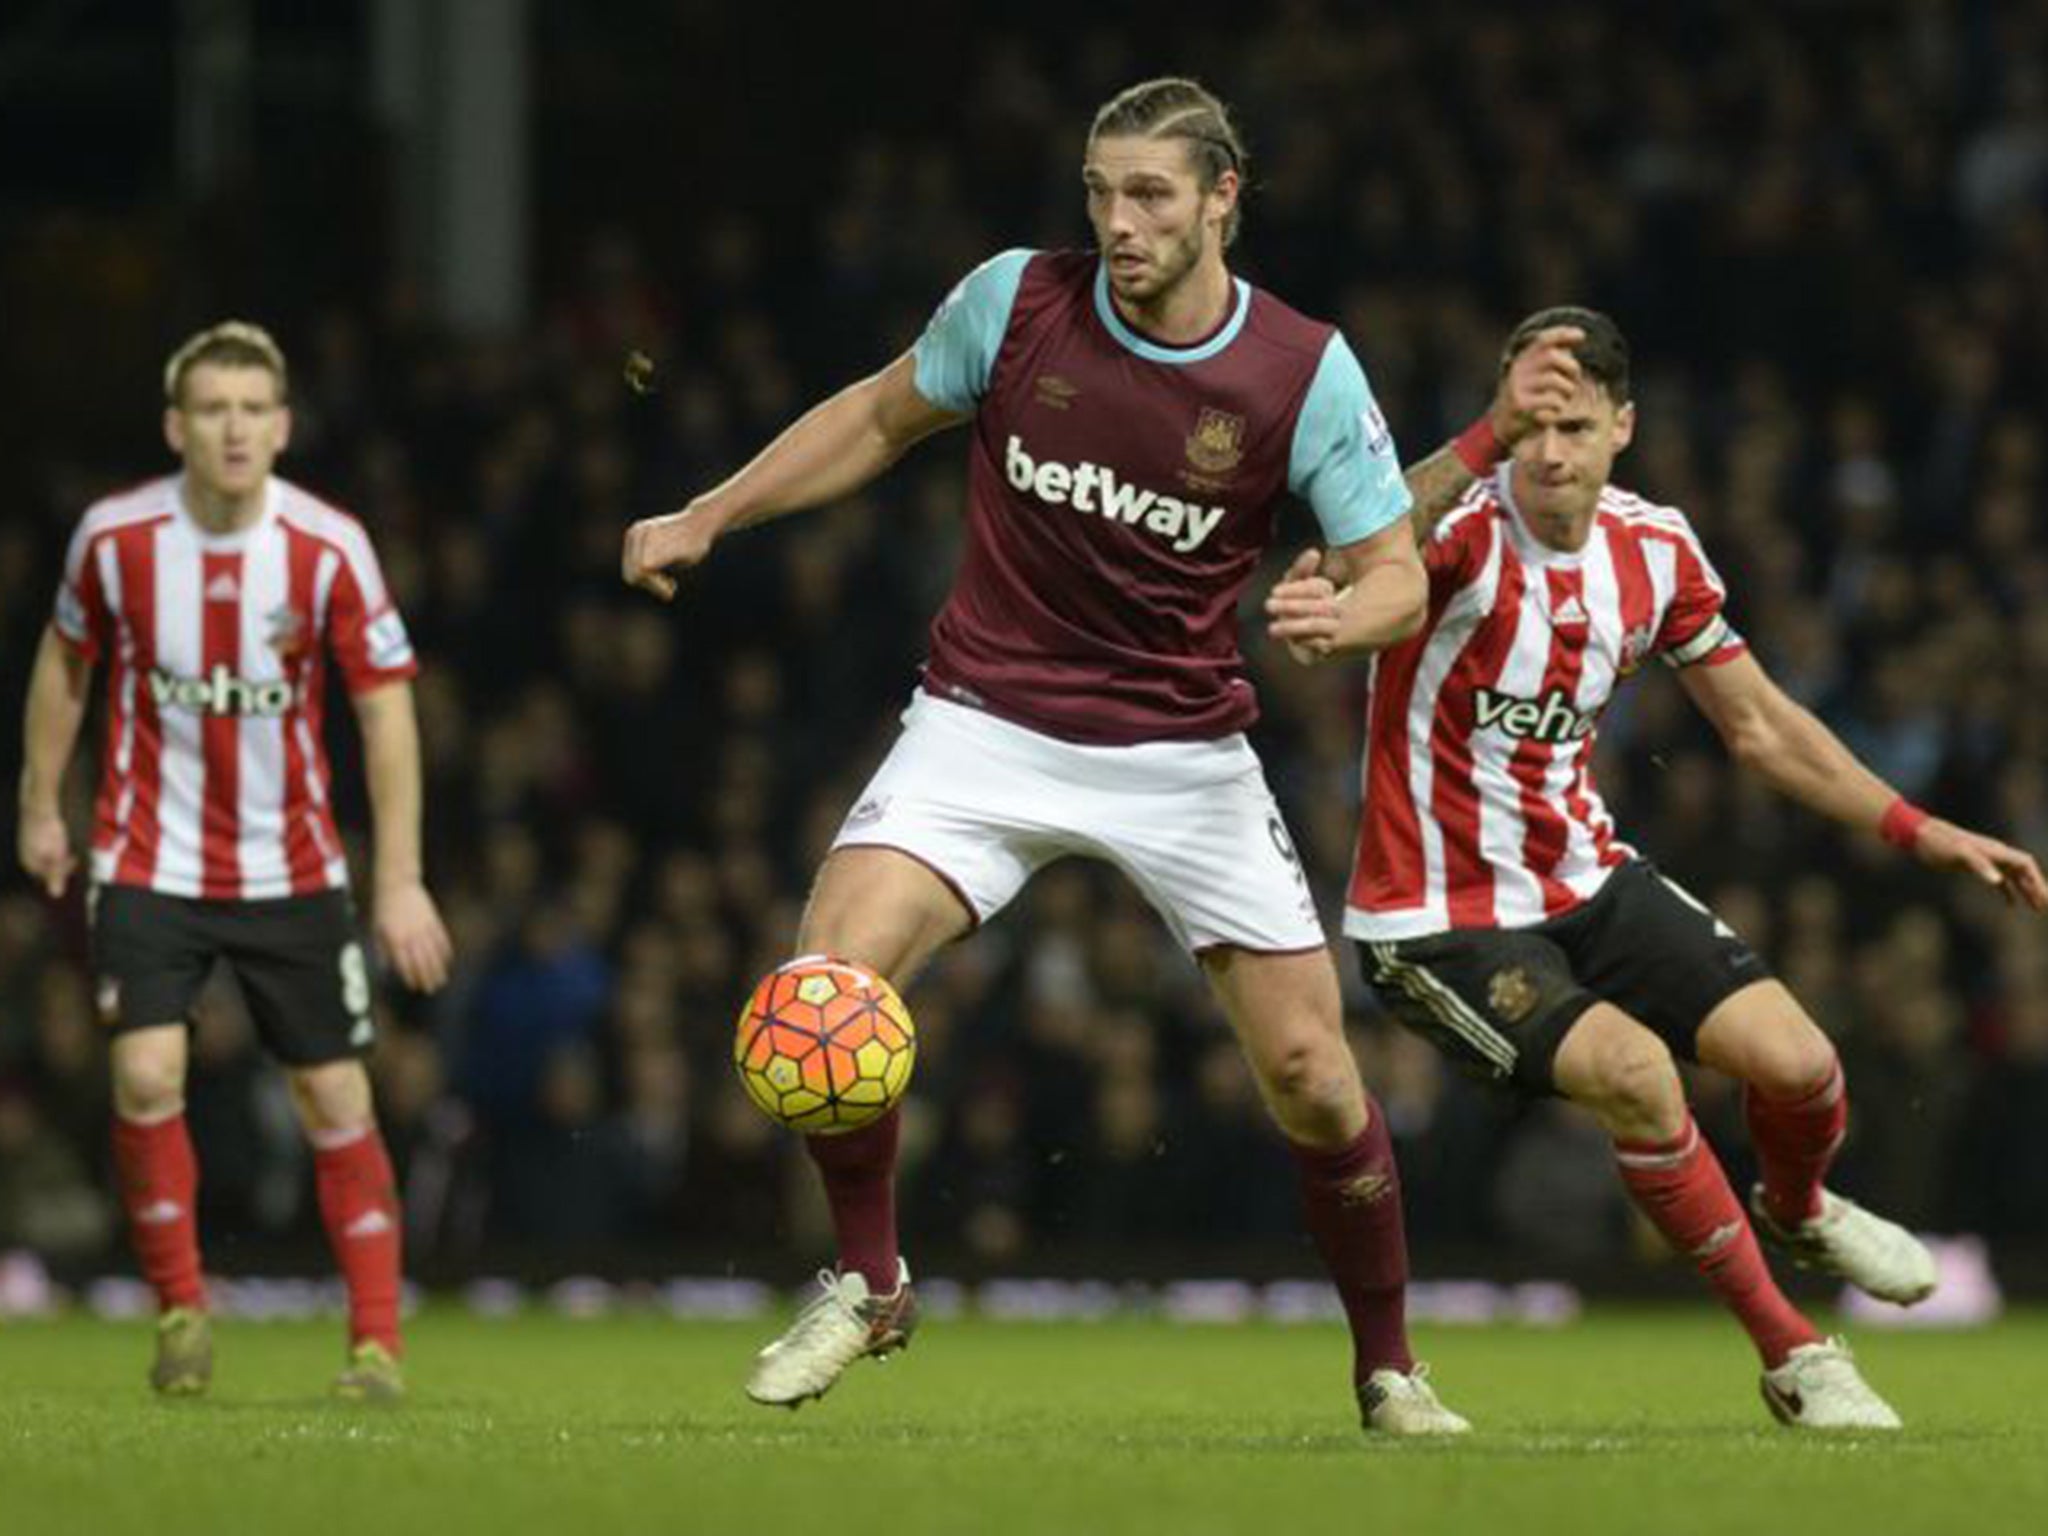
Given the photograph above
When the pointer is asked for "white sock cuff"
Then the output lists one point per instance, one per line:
(347, 1136)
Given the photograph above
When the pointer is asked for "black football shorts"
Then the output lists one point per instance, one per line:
(1499, 1001)
(297, 959)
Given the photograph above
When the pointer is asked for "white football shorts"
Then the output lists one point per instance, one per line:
(985, 804)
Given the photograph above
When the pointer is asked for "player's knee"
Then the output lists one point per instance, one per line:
(1797, 1066)
(332, 1098)
(1310, 1079)
(1636, 1076)
(879, 909)
(148, 1085)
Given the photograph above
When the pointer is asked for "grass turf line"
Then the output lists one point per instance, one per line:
(1627, 1422)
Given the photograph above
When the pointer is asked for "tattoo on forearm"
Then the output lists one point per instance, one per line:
(1436, 484)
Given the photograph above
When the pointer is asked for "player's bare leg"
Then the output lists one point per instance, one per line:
(1289, 1019)
(159, 1190)
(889, 912)
(359, 1208)
(1798, 1109)
(1623, 1073)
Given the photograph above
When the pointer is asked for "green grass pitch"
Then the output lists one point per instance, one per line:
(1646, 1423)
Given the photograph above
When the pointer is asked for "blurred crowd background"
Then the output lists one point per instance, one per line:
(1823, 225)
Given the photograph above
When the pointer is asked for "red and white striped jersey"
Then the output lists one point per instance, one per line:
(215, 780)
(1480, 810)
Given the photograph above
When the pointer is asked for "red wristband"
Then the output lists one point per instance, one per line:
(1901, 823)
(1477, 447)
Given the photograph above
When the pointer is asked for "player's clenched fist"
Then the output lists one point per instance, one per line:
(657, 546)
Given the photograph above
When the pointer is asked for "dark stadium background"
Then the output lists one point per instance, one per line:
(1824, 225)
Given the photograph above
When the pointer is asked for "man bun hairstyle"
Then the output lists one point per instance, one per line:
(1173, 108)
(230, 344)
(1603, 355)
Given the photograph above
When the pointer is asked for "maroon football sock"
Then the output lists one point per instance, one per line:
(359, 1208)
(1352, 1198)
(1681, 1187)
(1795, 1140)
(159, 1188)
(859, 1168)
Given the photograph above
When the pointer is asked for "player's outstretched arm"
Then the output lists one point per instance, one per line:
(408, 925)
(1355, 599)
(831, 451)
(1798, 755)
(58, 689)
(1536, 385)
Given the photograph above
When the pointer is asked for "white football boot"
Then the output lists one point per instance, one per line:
(1876, 1256)
(1393, 1403)
(844, 1323)
(1819, 1387)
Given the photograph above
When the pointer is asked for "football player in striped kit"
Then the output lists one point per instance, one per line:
(1498, 914)
(215, 597)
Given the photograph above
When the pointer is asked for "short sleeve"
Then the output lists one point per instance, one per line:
(957, 352)
(1457, 548)
(1343, 462)
(365, 630)
(81, 614)
(1696, 631)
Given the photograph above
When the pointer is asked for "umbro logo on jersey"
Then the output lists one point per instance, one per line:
(1095, 488)
(1552, 718)
(1054, 391)
(223, 588)
(220, 692)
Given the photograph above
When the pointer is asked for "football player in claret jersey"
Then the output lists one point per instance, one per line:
(215, 596)
(1135, 415)
(1499, 915)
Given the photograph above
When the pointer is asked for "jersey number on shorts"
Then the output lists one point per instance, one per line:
(355, 991)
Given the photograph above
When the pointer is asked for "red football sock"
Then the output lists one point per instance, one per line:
(1352, 1198)
(359, 1207)
(1795, 1140)
(1680, 1186)
(859, 1169)
(159, 1188)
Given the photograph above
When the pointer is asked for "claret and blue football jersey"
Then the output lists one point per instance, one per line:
(1122, 491)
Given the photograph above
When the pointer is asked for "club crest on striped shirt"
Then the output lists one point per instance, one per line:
(287, 630)
(1635, 648)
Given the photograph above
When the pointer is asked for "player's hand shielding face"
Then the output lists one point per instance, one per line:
(1538, 385)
